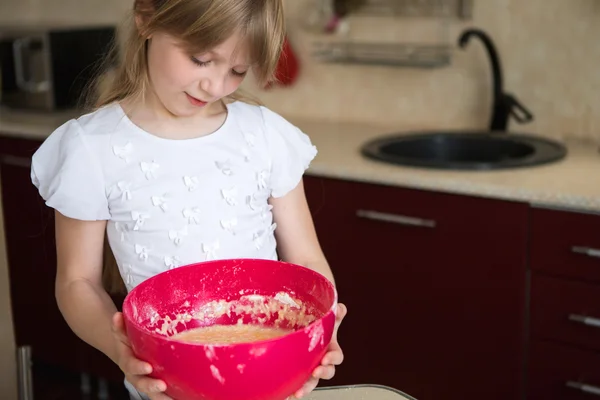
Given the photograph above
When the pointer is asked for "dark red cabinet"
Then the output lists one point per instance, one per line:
(566, 311)
(560, 372)
(31, 258)
(435, 286)
(564, 358)
(566, 244)
(31, 254)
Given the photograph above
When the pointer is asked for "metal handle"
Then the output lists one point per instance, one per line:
(590, 321)
(588, 251)
(24, 84)
(584, 388)
(24, 375)
(85, 386)
(15, 161)
(103, 392)
(396, 219)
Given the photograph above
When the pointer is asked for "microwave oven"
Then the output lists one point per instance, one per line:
(48, 67)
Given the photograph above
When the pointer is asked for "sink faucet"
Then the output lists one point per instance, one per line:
(505, 104)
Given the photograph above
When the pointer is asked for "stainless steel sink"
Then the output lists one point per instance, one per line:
(464, 150)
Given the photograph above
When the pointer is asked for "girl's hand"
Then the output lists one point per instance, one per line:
(135, 370)
(333, 357)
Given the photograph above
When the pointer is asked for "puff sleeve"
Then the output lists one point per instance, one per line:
(68, 176)
(291, 152)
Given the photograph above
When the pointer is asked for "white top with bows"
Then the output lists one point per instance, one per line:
(174, 202)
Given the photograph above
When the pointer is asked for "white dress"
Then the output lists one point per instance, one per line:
(174, 202)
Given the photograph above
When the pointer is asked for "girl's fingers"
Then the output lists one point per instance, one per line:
(118, 328)
(130, 364)
(342, 310)
(133, 366)
(148, 386)
(325, 372)
(334, 357)
(307, 388)
(159, 396)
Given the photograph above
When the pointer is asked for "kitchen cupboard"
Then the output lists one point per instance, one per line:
(449, 296)
(564, 354)
(434, 284)
(31, 256)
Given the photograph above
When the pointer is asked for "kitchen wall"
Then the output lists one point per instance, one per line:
(548, 48)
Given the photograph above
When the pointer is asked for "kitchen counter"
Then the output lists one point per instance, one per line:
(358, 392)
(32, 125)
(573, 183)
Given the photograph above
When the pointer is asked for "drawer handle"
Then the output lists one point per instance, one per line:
(588, 251)
(590, 321)
(395, 219)
(584, 388)
(24, 373)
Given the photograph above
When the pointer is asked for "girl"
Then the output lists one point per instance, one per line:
(174, 168)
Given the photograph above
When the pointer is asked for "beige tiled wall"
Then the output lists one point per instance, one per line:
(549, 49)
(550, 53)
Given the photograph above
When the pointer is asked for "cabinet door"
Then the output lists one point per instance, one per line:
(574, 319)
(31, 257)
(566, 244)
(435, 286)
(337, 235)
(31, 254)
(561, 372)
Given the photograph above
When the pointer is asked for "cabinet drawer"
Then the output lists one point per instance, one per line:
(566, 243)
(558, 372)
(566, 311)
(419, 210)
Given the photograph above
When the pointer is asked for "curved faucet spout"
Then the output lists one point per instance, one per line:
(504, 104)
(492, 53)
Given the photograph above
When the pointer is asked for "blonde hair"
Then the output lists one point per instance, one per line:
(199, 26)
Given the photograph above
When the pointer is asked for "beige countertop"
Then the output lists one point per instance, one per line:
(32, 125)
(573, 183)
(358, 392)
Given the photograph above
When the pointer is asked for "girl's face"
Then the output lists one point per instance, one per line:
(184, 84)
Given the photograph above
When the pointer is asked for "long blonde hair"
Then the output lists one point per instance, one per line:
(199, 25)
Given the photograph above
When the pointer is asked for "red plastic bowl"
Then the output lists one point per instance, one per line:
(267, 370)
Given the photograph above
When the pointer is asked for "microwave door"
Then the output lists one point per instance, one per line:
(30, 68)
(25, 77)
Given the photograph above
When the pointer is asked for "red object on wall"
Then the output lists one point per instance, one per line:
(288, 67)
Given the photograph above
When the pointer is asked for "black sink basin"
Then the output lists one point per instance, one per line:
(471, 150)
